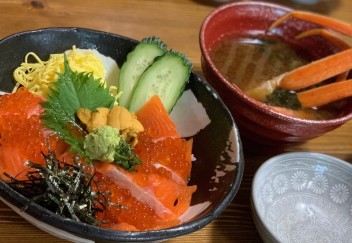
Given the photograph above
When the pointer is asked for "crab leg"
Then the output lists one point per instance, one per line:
(334, 39)
(335, 65)
(325, 94)
(317, 71)
(336, 25)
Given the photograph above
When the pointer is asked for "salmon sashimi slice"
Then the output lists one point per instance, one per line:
(174, 176)
(124, 180)
(156, 121)
(154, 194)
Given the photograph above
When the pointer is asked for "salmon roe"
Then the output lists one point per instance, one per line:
(22, 136)
(173, 153)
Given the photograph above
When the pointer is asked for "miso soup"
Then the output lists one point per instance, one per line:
(247, 62)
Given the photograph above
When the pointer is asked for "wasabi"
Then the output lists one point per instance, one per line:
(102, 143)
(106, 144)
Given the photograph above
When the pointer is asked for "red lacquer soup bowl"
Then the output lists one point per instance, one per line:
(262, 128)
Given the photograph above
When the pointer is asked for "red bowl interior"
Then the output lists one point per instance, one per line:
(258, 124)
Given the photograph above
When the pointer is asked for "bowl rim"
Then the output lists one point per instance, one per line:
(254, 203)
(257, 105)
(98, 233)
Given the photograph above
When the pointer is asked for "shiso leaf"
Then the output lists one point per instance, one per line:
(72, 91)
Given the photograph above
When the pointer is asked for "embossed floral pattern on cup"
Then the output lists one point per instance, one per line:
(299, 180)
(280, 183)
(339, 193)
(319, 184)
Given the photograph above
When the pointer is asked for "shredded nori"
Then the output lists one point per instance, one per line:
(65, 189)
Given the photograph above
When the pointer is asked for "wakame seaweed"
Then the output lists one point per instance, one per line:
(284, 98)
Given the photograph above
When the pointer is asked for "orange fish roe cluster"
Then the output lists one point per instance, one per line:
(22, 103)
(22, 136)
(20, 140)
(173, 153)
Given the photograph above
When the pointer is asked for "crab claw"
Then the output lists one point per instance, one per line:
(336, 25)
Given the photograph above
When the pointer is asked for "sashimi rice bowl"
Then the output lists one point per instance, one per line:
(106, 138)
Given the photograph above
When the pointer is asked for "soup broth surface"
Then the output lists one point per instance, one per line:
(247, 62)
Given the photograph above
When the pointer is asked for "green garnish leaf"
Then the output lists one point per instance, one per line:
(125, 156)
(72, 91)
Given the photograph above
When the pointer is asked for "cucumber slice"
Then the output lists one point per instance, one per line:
(136, 63)
(166, 77)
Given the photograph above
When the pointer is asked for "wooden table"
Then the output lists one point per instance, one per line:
(177, 22)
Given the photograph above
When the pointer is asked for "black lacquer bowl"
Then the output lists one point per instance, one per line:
(217, 168)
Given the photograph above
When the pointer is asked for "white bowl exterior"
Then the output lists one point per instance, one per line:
(303, 197)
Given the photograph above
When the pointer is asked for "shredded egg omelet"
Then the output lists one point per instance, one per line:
(39, 76)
